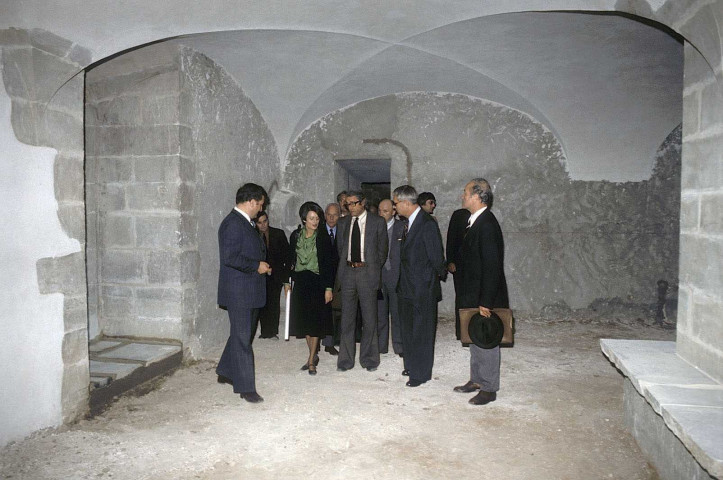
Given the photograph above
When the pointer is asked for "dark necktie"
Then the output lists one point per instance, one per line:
(331, 235)
(355, 241)
(404, 232)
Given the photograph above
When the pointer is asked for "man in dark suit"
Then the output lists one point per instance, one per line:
(388, 304)
(277, 251)
(421, 267)
(362, 245)
(332, 215)
(483, 284)
(242, 288)
(455, 234)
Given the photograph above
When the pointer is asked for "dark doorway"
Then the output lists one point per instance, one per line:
(370, 175)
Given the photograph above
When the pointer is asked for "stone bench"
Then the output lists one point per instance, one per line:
(687, 401)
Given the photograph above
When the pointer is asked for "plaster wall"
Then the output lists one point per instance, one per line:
(569, 244)
(43, 372)
(228, 144)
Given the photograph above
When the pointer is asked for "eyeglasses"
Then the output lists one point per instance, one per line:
(354, 202)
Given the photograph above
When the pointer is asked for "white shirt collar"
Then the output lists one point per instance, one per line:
(413, 216)
(390, 223)
(244, 214)
(476, 215)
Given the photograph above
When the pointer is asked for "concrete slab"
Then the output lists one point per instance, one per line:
(142, 352)
(111, 369)
(690, 402)
(99, 382)
(101, 345)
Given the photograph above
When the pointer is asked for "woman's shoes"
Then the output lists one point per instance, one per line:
(312, 369)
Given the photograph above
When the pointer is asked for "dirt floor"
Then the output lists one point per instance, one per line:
(558, 416)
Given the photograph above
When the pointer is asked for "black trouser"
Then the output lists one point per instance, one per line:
(269, 314)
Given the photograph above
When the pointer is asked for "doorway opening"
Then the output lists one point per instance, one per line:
(370, 175)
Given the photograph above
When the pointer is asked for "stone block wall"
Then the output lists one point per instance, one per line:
(42, 76)
(228, 143)
(569, 244)
(700, 317)
(142, 254)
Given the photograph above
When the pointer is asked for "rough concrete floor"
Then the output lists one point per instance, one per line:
(558, 416)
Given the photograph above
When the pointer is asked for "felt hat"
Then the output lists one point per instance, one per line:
(486, 332)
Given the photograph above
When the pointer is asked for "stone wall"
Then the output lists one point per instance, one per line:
(43, 329)
(569, 244)
(700, 318)
(142, 257)
(228, 143)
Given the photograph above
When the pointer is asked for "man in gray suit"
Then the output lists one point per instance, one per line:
(362, 245)
(390, 277)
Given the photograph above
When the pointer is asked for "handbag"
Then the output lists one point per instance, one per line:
(505, 314)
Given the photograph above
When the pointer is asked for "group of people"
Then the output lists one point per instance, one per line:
(346, 267)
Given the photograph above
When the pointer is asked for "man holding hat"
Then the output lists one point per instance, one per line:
(483, 285)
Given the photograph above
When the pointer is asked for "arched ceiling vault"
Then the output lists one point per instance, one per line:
(609, 87)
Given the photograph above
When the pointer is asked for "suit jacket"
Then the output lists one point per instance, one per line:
(422, 260)
(482, 265)
(376, 243)
(324, 255)
(277, 255)
(241, 248)
(391, 275)
(455, 234)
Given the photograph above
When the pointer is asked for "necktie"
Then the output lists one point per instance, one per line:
(331, 235)
(404, 232)
(355, 241)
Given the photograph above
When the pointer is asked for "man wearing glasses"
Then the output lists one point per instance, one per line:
(362, 245)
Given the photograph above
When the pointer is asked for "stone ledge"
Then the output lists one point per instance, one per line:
(689, 401)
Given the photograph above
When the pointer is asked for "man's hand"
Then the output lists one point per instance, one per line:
(328, 296)
(485, 312)
(264, 268)
(451, 267)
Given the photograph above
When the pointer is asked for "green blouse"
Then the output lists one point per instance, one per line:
(306, 258)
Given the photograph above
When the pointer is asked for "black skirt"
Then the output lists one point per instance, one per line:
(309, 314)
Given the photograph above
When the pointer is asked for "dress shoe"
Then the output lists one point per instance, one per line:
(306, 365)
(413, 382)
(222, 379)
(371, 369)
(405, 372)
(312, 369)
(331, 350)
(483, 398)
(467, 387)
(252, 397)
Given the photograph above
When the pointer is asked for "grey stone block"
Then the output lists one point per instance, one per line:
(707, 322)
(70, 97)
(190, 266)
(145, 353)
(695, 69)
(186, 192)
(190, 304)
(122, 266)
(69, 178)
(75, 346)
(64, 274)
(17, 72)
(118, 291)
(75, 312)
(186, 141)
(25, 118)
(702, 31)
(61, 130)
(14, 37)
(153, 196)
(158, 169)
(711, 213)
(113, 169)
(689, 217)
(691, 113)
(153, 140)
(112, 369)
(705, 359)
(711, 98)
(164, 266)
(117, 111)
(111, 197)
(702, 166)
(187, 169)
(159, 302)
(189, 230)
(144, 326)
(72, 219)
(74, 391)
(160, 110)
(50, 42)
(153, 82)
(48, 72)
(116, 307)
(116, 230)
(700, 261)
(158, 231)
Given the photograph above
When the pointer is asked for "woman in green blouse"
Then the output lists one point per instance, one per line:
(313, 281)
